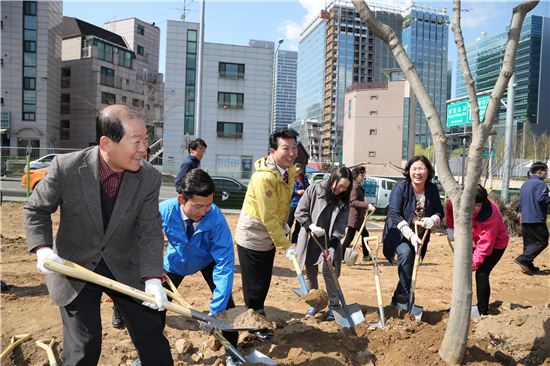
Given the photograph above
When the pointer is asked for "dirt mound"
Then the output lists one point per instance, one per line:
(316, 298)
(241, 317)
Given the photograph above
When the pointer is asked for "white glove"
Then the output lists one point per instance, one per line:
(371, 207)
(328, 256)
(415, 241)
(291, 252)
(451, 234)
(430, 222)
(316, 230)
(154, 287)
(286, 229)
(44, 254)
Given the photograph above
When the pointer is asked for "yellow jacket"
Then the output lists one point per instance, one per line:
(265, 208)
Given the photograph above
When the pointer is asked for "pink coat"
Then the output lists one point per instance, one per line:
(488, 231)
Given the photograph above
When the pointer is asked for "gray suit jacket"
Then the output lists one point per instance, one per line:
(132, 244)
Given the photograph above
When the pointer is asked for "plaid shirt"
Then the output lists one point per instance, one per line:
(110, 180)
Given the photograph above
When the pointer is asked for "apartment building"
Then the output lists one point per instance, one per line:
(235, 101)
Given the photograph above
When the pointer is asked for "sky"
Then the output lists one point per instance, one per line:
(236, 22)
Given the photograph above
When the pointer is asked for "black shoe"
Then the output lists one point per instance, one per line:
(534, 268)
(264, 335)
(524, 267)
(4, 286)
(117, 321)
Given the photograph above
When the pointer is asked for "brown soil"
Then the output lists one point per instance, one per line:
(317, 298)
(516, 332)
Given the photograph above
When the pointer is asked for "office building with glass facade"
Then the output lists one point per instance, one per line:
(532, 78)
(284, 96)
(425, 37)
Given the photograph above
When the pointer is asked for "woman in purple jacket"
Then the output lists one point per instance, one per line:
(489, 240)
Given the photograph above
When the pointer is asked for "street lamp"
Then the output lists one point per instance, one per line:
(275, 54)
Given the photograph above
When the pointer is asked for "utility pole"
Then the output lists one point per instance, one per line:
(504, 193)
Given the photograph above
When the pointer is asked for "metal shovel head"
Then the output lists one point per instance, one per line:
(257, 357)
(356, 316)
(298, 291)
(416, 310)
(474, 313)
(350, 256)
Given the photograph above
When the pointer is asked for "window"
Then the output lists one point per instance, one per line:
(349, 108)
(372, 154)
(136, 103)
(29, 46)
(107, 77)
(140, 29)
(108, 98)
(125, 58)
(65, 130)
(231, 70)
(230, 129)
(65, 77)
(1, 101)
(29, 83)
(140, 50)
(374, 97)
(230, 100)
(65, 103)
(373, 113)
(190, 68)
(373, 132)
(123, 99)
(29, 8)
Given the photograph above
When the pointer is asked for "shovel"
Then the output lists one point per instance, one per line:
(416, 310)
(374, 256)
(47, 345)
(303, 290)
(15, 341)
(350, 255)
(76, 271)
(350, 315)
(254, 357)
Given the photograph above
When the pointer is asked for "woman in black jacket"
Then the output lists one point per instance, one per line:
(415, 198)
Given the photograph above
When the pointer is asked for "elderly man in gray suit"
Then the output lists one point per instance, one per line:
(110, 224)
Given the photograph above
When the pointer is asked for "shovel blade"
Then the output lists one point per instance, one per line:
(298, 291)
(417, 311)
(350, 257)
(257, 357)
(474, 313)
(356, 316)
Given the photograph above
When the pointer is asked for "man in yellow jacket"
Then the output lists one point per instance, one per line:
(262, 223)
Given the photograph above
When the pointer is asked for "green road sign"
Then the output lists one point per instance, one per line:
(459, 113)
(485, 153)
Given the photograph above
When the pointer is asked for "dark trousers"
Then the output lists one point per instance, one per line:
(232, 337)
(349, 239)
(256, 271)
(82, 326)
(290, 221)
(535, 240)
(483, 288)
(405, 264)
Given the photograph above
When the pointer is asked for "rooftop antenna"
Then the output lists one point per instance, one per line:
(185, 9)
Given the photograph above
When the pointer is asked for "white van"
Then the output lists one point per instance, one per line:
(377, 191)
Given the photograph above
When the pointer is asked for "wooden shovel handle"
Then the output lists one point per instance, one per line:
(15, 341)
(47, 345)
(74, 270)
(175, 294)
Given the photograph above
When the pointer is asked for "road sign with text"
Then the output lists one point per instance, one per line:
(459, 113)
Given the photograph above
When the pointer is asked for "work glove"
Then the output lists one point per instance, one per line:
(451, 234)
(316, 230)
(291, 252)
(326, 256)
(286, 229)
(154, 287)
(44, 254)
(416, 242)
(371, 207)
(430, 222)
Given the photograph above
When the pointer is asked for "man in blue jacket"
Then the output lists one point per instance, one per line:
(196, 150)
(534, 201)
(199, 239)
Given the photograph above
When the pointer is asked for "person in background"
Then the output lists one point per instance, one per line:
(533, 201)
(323, 211)
(199, 239)
(262, 223)
(489, 240)
(357, 212)
(196, 150)
(300, 185)
(413, 199)
(109, 224)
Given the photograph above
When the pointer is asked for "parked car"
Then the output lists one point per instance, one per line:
(377, 191)
(35, 176)
(42, 162)
(317, 177)
(229, 193)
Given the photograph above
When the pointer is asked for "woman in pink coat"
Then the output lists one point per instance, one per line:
(490, 239)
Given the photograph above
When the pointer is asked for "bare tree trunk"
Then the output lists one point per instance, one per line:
(453, 346)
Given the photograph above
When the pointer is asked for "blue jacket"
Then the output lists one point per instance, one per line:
(534, 200)
(211, 242)
(297, 186)
(189, 163)
(402, 206)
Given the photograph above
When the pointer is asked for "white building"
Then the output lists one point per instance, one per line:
(30, 74)
(100, 68)
(284, 97)
(236, 97)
